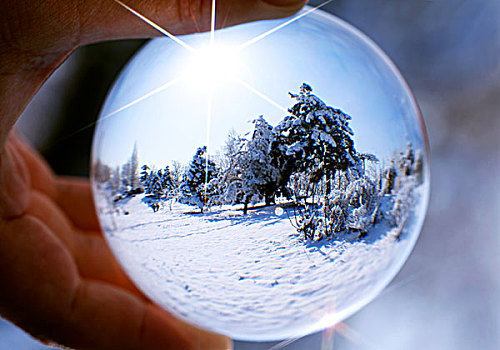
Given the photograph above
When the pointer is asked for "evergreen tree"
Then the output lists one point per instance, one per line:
(197, 189)
(134, 168)
(146, 178)
(167, 183)
(156, 184)
(315, 152)
(156, 187)
(315, 139)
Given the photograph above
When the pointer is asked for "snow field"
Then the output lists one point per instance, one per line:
(250, 277)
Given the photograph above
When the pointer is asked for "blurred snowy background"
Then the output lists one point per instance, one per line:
(447, 296)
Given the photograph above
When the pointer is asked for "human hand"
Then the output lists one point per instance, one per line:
(58, 279)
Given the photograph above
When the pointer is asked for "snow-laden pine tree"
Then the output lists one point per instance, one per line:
(167, 182)
(156, 186)
(146, 177)
(159, 186)
(315, 139)
(197, 189)
(313, 148)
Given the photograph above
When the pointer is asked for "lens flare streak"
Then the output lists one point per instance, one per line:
(262, 95)
(191, 49)
(284, 343)
(207, 160)
(351, 334)
(328, 338)
(143, 97)
(212, 41)
(275, 29)
(212, 22)
(155, 26)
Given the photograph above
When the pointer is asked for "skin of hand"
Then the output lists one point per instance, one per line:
(58, 279)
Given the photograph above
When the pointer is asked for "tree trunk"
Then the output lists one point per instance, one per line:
(329, 177)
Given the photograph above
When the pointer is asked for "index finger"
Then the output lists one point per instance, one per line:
(106, 20)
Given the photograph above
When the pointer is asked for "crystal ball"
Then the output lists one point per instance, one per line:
(265, 182)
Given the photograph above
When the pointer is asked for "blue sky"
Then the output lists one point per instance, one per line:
(344, 70)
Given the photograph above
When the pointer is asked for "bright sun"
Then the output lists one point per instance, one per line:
(212, 66)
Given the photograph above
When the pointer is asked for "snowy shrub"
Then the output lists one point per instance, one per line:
(351, 204)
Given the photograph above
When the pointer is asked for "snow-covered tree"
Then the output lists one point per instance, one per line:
(314, 149)
(158, 185)
(177, 171)
(197, 189)
(261, 165)
(231, 147)
(130, 184)
(401, 177)
(228, 182)
(314, 139)
(134, 168)
(126, 183)
(146, 178)
(251, 176)
(334, 187)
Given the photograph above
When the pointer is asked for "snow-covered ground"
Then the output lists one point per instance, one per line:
(251, 277)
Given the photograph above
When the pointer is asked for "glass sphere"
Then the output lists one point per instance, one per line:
(265, 184)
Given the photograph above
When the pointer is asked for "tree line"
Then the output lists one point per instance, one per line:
(308, 161)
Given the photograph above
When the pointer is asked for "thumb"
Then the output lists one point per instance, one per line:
(108, 20)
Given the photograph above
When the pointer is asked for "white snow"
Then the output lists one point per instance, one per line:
(250, 277)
